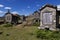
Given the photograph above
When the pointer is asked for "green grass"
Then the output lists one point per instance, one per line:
(48, 34)
(36, 24)
(27, 33)
(12, 33)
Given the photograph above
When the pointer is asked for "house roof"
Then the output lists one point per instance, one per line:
(8, 12)
(16, 15)
(48, 5)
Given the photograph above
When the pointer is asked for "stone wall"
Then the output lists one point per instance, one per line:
(50, 26)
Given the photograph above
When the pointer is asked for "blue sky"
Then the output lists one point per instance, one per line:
(24, 7)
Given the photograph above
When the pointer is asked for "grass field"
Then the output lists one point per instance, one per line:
(13, 33)
(27, 33)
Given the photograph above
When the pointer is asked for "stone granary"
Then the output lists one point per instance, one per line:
(36, 16)
(50, 17)
(11, 18)
(33, 18)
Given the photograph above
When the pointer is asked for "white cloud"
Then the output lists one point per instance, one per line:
(58, 7)
(1, 11)
(1, 5)
(15, 12)
(7, 8)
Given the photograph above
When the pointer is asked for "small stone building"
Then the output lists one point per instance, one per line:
(22, 18)
(35, 17)
(49, 17)
(11, 18)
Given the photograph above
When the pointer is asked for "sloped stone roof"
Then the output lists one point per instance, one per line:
(48, 5)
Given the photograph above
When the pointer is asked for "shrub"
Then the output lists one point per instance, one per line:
(47, 34)
(36, 24)
(7, 25)
(41, 34)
